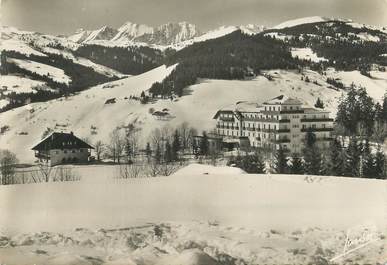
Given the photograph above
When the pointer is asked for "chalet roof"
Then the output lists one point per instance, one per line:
(283, 100)
(61, 141)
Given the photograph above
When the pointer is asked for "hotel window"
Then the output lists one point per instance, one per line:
(303, 126)
(291, 108)
(323, 125)
(313, 126)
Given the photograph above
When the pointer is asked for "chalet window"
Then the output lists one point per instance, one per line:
(65, 151)
(72, 151)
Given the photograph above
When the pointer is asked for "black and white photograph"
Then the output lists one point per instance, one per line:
(193, 132)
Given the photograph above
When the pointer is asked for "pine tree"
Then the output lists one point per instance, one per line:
(297, 165)
(204, 144)
(312, 155)
(252, 163)
(176, 146)
(260, 164)
(158, 154)
(385, 107)
(168, 152)
(368, 161)
(336, 158)
(352, 163)
(380, 164)
(148, 151)
(319, 104)
(280, 161)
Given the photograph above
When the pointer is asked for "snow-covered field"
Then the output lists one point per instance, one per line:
(88, 108)
(206, 215)
(306, 54)
(56, 74)
(19, 84)
(20, 47)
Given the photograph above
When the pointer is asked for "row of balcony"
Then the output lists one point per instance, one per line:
(317, 120)
(317, 129)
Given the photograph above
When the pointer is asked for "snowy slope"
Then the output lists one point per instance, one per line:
(204, 219)
(306, 54)
(79, 36)
(85, 62)
(213, 34)
(300, 21)
(12, 83)
(20, 47)
(88, 109)
(129, 31)
(82, 111)
(56, 74)
(104, 33)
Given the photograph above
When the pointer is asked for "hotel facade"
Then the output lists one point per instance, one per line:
(279, 122)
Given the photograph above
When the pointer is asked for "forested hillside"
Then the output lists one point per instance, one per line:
(131, 60)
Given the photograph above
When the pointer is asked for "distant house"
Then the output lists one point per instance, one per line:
(110, 101)
(61, 148)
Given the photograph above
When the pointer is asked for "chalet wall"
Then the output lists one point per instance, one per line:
(59, 156)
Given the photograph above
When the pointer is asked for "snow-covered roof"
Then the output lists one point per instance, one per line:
(314, 110)
(283, 100)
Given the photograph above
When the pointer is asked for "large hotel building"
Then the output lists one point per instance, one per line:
(279, 122)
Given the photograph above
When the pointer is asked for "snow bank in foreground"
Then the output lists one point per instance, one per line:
(264, 201)
(193, 243)
(200, 169)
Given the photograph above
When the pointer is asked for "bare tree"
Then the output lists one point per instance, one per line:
(99, 149)
(8, 161)
(131, 171)
(116, 146)
(131, 141)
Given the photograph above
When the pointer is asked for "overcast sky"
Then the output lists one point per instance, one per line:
(65, 16)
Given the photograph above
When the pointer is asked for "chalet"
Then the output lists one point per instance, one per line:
(214, 143)
(110, 101)
(61, 148)
(279, 122)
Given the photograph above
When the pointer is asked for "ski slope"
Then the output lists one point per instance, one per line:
(207, 215)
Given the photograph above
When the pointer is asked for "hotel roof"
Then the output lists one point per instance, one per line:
(283, 100)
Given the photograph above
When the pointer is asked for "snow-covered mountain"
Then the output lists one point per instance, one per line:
(170, 33)
(300, 21)
(252, 28)
(129, 31)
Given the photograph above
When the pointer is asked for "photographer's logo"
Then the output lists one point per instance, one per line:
(357, 238)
